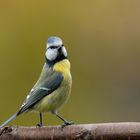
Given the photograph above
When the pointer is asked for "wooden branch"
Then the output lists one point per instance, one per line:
(103, 131)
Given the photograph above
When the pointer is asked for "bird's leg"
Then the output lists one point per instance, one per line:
(40, 124)
(65, 121)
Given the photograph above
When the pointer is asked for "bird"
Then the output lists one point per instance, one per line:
(53, 88)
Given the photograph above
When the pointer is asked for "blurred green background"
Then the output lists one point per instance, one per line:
(103, 42)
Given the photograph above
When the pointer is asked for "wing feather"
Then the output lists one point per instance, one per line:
(48, 82)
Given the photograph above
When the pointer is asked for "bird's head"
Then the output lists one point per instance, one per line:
(55, 50)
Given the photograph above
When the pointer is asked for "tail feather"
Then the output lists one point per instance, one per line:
(10, 119)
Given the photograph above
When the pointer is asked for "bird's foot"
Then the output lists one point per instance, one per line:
(66, 123)
(39, 125)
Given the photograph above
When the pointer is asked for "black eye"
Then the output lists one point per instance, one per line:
(62, 45)
(53, 47)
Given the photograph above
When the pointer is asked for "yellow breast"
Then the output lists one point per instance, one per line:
(63, 67)
(56, 99)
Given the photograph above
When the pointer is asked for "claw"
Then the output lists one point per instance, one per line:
(39, 125)
(66, 123)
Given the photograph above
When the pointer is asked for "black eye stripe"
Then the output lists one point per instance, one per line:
(53, 47)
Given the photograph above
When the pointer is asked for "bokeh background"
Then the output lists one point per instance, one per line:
(103, 42)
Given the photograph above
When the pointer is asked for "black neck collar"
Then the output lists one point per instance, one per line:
(58, 59)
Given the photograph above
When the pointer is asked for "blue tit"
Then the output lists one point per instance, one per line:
(53, 87)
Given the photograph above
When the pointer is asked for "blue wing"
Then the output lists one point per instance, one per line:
(48, 82)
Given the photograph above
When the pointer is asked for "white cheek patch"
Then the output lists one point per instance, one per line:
(64, 51)
(51, 54)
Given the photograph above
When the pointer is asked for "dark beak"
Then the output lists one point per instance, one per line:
(59, 48)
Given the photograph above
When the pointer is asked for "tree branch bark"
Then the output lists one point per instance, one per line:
(102, 131)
